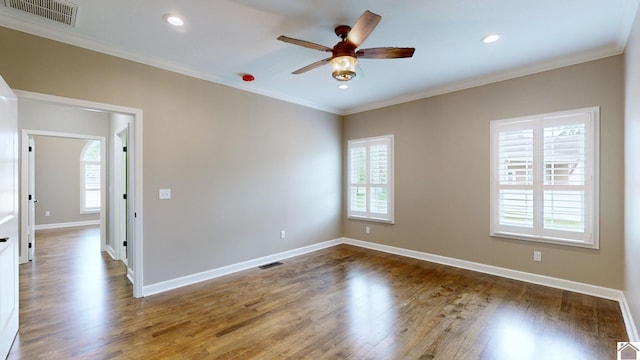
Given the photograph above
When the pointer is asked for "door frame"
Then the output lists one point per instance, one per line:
(28, 176)
(136, 216)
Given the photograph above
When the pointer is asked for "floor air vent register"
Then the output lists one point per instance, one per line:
(269, 265)
(56, 10)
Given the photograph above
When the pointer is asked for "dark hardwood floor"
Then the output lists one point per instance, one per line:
(339, 303)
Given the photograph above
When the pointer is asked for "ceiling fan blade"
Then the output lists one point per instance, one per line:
(362, 28)
(385, 53)
(311, 66)
(304, 43)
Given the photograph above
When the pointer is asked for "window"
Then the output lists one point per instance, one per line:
(90, 178)
(544, 177)
(371, 179)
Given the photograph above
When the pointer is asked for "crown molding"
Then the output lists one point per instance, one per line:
(493, 78)
(64, 34)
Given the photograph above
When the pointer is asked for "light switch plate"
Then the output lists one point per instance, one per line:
(164, 194)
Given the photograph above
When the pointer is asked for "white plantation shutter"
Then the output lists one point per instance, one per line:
(515, 178)
(565, 181)
(90, 177)
(92, 185)
(358, 168)
(370, 178)
(379, 173)
(544, 178)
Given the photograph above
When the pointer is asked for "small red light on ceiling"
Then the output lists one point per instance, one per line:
(248, 77)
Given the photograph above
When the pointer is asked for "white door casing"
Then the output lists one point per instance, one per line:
(135, 167)
(8, 218)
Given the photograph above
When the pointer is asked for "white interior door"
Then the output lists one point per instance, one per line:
(121, 188)
(32, 198)
(8, 218)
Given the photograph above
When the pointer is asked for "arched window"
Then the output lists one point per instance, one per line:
(90, 177)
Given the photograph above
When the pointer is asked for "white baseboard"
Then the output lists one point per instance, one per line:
(111, 252)
(582, 288)
(629, 322)
(233, 268)
(66, 225)
(130, 275)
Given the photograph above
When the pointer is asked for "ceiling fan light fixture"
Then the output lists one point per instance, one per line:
(343, 68)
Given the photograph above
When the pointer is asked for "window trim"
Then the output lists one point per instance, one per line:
(368, 216)
(83, 189)
(594, 141)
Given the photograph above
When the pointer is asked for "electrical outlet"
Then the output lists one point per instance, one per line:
(537, 256)
(367, 230)
(47, 213)
(283, 234)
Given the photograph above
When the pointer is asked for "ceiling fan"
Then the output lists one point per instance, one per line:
(344, 56)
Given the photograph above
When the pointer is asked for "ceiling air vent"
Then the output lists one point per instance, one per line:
(56, 10)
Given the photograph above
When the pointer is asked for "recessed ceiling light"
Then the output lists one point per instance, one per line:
(491, 38)
(173, 20)
(343, 86)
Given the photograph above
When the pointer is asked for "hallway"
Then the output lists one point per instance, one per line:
(67, 295)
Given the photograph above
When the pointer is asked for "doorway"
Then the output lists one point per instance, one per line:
(66, 182)
(133, 173)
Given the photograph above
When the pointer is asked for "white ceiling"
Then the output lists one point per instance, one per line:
(223, 39)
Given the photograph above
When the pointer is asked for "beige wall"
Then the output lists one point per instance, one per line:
(632, 173)
(241, 166)
(57, 180)
(39, 116)
(57, 191)
(442, 171)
